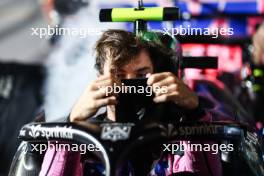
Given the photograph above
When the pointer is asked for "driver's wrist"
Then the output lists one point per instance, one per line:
(191, 103)
(73, 117)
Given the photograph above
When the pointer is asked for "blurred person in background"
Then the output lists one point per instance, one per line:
(252, 74)
(21, 59)
(258, 75)
(258, 42)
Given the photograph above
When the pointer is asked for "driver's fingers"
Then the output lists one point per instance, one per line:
(158, 77)
(167, 97)
(103, 77)
(102, 84)
(103, 92)
(166, 89)
(106, 101)
(166, 82)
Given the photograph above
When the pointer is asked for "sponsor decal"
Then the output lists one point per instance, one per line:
(115, 132)
(56, 132)
(197, 130)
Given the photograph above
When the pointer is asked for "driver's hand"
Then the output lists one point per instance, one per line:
(176, 90)
(94, 97)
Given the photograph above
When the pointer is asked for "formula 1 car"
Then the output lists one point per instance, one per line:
(119, 142)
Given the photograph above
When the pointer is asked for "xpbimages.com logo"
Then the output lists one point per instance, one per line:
(188, 30)
(62, 31)
(148, 90)
(184, 146)
(81, 148)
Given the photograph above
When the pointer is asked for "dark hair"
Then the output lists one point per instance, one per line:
(121, 47)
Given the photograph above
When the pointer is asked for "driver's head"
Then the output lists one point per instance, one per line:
(126, 56)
